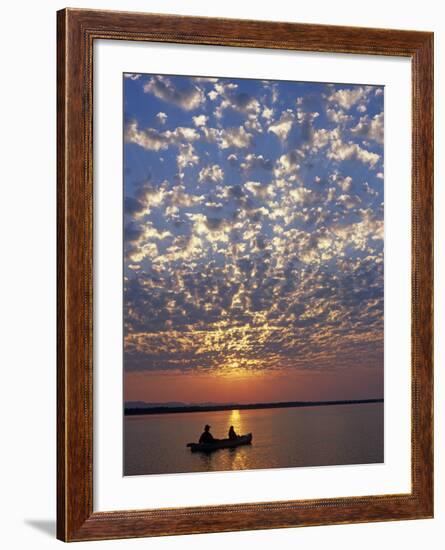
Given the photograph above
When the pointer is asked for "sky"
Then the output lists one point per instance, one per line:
(253, 240)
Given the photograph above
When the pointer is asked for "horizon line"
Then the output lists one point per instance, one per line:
(165, 408)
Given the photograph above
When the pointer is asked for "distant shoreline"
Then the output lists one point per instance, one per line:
(134, 411)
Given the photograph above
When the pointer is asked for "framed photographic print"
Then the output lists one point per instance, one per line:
(244, 275)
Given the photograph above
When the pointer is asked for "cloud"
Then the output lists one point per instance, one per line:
(272, 89)
(348, 201)
(187, 98)
(179, 198)
(345, 183)
(339, 116)
(230, 98)
(153, 140)
(205, 79)
(267, 113)
(244, 252)
(351, 151)
(148, 196)
(283, 126)
(370, 128)
(235, 137)
(186, 156)
(347, 98)
(259, 189)
(212, 173)
(161, 118)
(132, 76)
(287, 165)
(200, 120)
(222, 89)
(214, 230)
(322, 137)
(253, 124)
(143, 251)
(304, 196)
(253, 161)
(152, 233)
(133, 206)
(225, 138)
(339, 150)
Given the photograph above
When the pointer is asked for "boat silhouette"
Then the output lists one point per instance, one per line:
(221, 444)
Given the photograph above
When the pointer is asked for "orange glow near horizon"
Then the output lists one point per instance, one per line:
(268, 387)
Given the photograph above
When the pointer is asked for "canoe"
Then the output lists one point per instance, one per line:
(220, 444)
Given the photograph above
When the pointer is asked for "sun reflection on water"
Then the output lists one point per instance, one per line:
(235, 421)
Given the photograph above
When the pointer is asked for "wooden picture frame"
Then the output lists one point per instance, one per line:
(77, 31)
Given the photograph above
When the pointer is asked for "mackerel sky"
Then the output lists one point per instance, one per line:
(253, 239)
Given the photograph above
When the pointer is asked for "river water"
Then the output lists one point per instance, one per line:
(282, 438)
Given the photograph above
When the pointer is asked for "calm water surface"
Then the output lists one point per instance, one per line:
(282, 438)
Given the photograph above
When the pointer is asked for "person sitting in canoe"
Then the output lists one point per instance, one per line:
(206, 436)
(232, 433)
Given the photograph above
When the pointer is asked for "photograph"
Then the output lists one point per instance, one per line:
(245, 223)
(253, 274)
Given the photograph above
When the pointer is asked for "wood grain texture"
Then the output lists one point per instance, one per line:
(77, 30)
